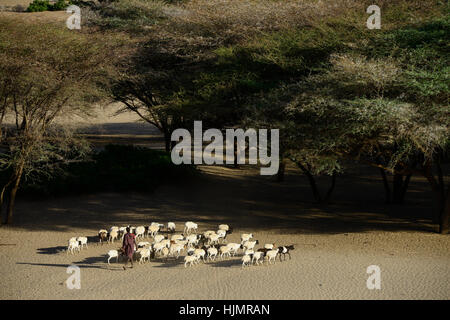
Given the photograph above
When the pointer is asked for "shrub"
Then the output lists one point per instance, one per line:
(117, 168)
(38, 6)
(45, 5)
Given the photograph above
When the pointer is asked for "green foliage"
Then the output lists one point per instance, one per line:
(38, 5)
(239, 72)
(421, 51)
(45, 5)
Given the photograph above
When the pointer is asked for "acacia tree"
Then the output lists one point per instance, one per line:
(353, 118)
(299, 140)
(46, 71)
(140, 96)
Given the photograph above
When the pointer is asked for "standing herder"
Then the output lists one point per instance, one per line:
(129, 244)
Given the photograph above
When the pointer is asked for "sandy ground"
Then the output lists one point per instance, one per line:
(334, 244)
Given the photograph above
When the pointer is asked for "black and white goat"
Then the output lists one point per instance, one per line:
(284, 250)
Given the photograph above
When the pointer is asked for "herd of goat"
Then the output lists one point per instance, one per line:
(206, 246)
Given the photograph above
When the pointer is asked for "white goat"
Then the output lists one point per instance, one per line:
(177, 237)
(165, 252)
(182, 242)
(200, 253)
(257, 256)
(224, 251)
(165, 242)
(158, 238)
(271, 255)
(224, 227)
(190, 226)
(222, 234)
(208, 233)
(171, 227)
(191, 260)
(73, 239)
(192, 239)
(213, 239)
(143, 244)
(82, 241)
(246, 260)
(157, 247)
(246, 237)
(122, 231)
(212, 252)
(234, 247)
(176, 248)
(144, 254)
(140, 231)
(113, 235)
(73, 245)
(250, 244)
(113, 254)
(153, 229)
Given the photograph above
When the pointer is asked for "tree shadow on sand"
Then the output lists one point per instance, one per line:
(243, 199)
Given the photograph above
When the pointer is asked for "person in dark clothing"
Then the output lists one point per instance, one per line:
(128, 246)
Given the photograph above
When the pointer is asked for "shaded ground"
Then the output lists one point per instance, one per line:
(242, 197)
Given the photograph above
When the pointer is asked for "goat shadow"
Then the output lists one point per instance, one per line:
(225, 263)
(52, 250)
(168, 263)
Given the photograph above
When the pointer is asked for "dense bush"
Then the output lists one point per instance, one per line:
(45, 5)
(117, 168)
(38, 5)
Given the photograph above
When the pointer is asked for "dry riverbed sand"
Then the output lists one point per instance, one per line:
(329, 262)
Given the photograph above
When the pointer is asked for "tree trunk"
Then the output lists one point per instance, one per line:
(12, 195)
(441, 200)
(312, 182)
(236, 164)
(399, 187)
(281, 169)
(167, 141)
(397, 183)
(404, 188)
(2, 196)
(387, 189)
(331, 188)
(444, 220)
